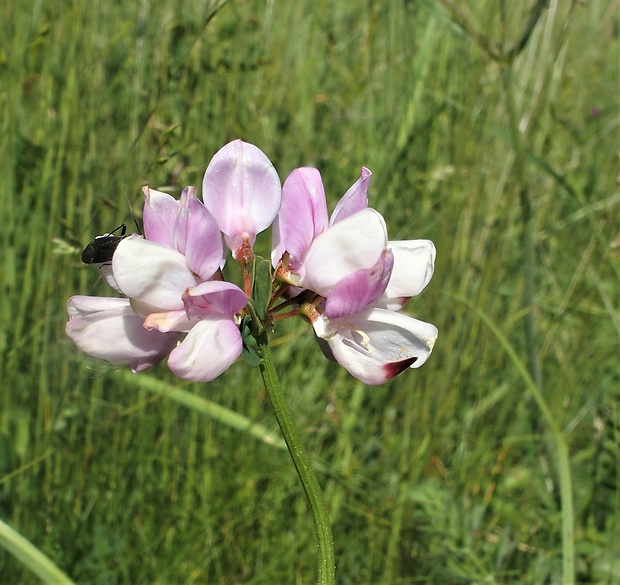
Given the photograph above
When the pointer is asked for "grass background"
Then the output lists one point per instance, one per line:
(444, 475)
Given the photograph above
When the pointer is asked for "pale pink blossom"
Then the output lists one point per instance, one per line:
(242, 190)
(169, 288)
(363, 278)
(320, 251)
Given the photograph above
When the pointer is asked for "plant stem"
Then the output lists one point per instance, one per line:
(529, 252)
(327, 567)
(534, 377)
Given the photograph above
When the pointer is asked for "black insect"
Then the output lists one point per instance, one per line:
(102, 248)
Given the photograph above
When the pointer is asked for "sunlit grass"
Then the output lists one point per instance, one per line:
(445, 475)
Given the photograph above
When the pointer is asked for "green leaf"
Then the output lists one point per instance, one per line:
(261, 286)
(251, 349)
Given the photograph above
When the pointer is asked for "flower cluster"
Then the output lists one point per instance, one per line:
(341, 273)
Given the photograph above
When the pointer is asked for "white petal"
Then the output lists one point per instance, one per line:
(108, 329)
(83, 306)
(351, 244)
(151, 273)
(376, 345)
(414, 263)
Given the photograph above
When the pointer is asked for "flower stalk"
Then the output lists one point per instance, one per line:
(327, 567)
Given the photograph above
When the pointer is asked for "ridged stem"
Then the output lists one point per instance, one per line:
(327, 566)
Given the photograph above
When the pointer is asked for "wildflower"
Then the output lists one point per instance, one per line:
(361, 279)
(375, 345)
(341, 273)
(242, 190)
(321, 252)
(169, 288)
(361, 327)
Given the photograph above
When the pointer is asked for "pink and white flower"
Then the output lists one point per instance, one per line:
(354, 280)
(375, 345)
(242, 190)
(360, 329)
(364, 279)
(169, 288)
(321, 250)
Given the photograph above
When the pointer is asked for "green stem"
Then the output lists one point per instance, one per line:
(529, 252)
(327, 566)
(31, 556)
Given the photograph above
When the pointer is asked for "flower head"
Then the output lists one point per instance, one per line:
(360, 279)
(169, 288)
(341, 273)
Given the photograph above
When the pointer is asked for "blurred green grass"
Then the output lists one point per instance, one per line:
(441, 476)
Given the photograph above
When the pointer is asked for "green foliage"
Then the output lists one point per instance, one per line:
(251, 351)
(261, 286)
(444, 475)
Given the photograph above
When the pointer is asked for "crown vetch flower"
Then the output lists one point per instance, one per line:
(361, 279)
(374, 344)
(341, 273)
(303, 213)
(242, 190)
(167, 280)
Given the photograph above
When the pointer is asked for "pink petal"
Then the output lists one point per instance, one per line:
(242, 190)
(151, 273)
(355, 292)
(302, 216)
(209, 349)
(108, 329)
(197, 236)
(352, 244)
(377, 344)
(355, 199)
(83, 306)
(215, 296)
(159, 217)
(168, 321)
